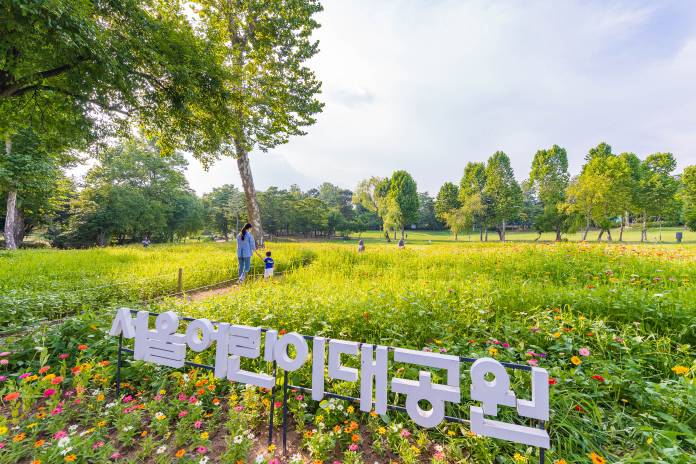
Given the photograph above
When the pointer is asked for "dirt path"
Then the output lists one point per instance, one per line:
(205, 294)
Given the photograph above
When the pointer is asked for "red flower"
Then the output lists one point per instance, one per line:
(598, 378)
(82, 347)
(578, 408)
(283, 332)
(552, 381)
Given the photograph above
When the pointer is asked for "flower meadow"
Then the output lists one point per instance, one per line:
(615, 326)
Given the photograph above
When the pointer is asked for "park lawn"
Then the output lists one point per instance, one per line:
(666, 235)
(632, 399)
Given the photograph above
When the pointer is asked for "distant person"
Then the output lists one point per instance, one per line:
(269, 265)
(402, 245)
(246, 246)
(146, 242)
(361, 246)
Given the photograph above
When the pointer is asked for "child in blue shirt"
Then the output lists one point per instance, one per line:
(268, 261)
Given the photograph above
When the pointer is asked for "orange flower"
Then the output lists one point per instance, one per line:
(104, 363)
(597, 459)
(70, 458)
(355, 438)
(75, 370)
(36, 461)
(337, 429)
(82, 347)
(39, 443)
(44, 369)
(575, 360)
(19, 437)
(180, 453)
(56, 380)
(143, 433)
(12, 396)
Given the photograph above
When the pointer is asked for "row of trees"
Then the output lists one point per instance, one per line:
(212, 77)
(612, 190)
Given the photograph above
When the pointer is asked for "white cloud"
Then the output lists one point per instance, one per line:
(429, 85)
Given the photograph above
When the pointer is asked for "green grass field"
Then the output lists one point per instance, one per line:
(631, 305)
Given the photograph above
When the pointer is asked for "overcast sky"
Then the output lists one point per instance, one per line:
(428, 85)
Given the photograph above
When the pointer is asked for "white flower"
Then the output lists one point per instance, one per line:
(204, 460)
(198, 403)
(160, 415)
(251, 436)
(161, 449)
(238, 439)
(127, 428)
(340, 407)
(110, 405)
(439, 448)
(63, 442)
(73, 427)
(259, 459)
(186, 378)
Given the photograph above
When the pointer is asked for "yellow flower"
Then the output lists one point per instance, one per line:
(415, 449)
(101, 423)
(381, 430)
(575, 360)
(180, 453)
(451, 433)
(70, 458)
(560, 461)
(320, 418)
(100, 397)
(32, 425)
(271, 448)
(204, 435)
(680, 370)
(162, 392)
(492, 350)
(649, 441)
(597, 459)
(556, 334)
(519, 458)
(350, 409)
(50, 377)
(3, 430)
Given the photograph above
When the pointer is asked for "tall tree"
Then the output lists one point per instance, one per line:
(266, 43)
(688, 196)
(658, 188)
(427, 218)
(549, 179)
(472, 184)
(224, 209)
(404, 191)
(503, 190)
(462, 218)
(447, 200)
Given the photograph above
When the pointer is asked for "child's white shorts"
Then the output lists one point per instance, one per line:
(267, 273)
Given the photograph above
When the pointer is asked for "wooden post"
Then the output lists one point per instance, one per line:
(180, 281)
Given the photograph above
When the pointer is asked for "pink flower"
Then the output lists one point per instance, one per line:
(182, 397)
(24, 376)
(193, 400)
(353, 447)
(274, 461)
(59, 435)
(201, 450)
(405, 433)
(277, 404)
(443, 350)
(183, 413)
(98, 445)
(427, 350)
(440, 456)
(505, 345)
(3, 378)
(57, 411)
(239, 408)
(584, 351)
(4, 362)
(532, 362)
(78, 401)
(116, 455)
(299, 397)
(49, 392)
(63, 356)
(197, 424)
(2, 445)
(5, 353)
(157, 397)
(127, 399)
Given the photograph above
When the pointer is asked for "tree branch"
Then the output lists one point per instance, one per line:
(82, 98)
(17, 88)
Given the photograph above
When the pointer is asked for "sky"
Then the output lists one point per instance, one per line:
(428, 85)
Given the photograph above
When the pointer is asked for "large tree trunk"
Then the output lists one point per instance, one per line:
(608, 235)
(252, 205)
(644, 229)
(558, 233)
(601, 233)
(20, 227)
(10, 209)
(587, 229)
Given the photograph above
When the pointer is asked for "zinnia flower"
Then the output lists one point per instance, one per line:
(180, 453)
(584, 351)
(598, 378)
(575, 360)
(82, 347)
(49, 392)
(680, 370)
(597, 459)
(11, 396)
